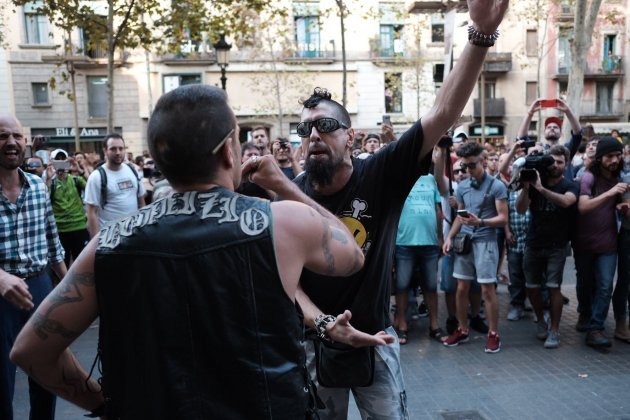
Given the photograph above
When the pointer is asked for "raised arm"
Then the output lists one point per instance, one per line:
(486, 16)
(41, 348)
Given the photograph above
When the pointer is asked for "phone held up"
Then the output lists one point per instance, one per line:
(387, 120)
(549, 103)
(463, 213)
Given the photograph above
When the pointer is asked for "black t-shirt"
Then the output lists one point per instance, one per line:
(369, 205)
(551, 225)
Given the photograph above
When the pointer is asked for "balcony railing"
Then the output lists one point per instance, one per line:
(494, 107)
(498, 62)
(602, 109)
(610, 68)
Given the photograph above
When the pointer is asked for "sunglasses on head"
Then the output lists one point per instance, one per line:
(323, 125)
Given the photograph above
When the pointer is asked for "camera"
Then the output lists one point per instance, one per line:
(283, 144)
(528, 143)
(445, 142)
(535, 162)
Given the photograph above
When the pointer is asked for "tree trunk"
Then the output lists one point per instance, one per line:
(583, 24)
(111, 48)
(342, 10)
(277, 83)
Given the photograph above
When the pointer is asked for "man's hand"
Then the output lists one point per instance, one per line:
(265, 172)
(471, 220)
(620, 188)
(538, 183)
(50, 171)
(15, 291)
(487, 14)
(342, 332)
(446, 247)
(509, 237)
(452, 201)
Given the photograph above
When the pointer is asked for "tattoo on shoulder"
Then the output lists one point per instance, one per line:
(67, 292)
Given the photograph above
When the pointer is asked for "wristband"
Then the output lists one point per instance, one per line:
(482, 223)
(97, 412)
(320, 325)
(480, 39)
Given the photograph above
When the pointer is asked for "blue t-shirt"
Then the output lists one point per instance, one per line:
(418, 222)
(482, 204)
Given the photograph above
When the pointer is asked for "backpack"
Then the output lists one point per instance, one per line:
(101, 171)
(53, 187)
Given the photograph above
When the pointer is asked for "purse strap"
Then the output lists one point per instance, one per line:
(483, 200)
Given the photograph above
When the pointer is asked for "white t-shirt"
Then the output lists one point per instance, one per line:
(123, 190)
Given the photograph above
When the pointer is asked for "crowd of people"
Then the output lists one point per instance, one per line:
(217, 304)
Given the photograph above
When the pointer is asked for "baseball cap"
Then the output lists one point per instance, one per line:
(607, 145)
(459, 136)
(553, 120)
(59, 154)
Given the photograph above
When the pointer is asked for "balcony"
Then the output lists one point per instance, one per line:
(495, 107)
(566, 14)
(498, 62)
(602, 110)
(311, 56)
(610, 69)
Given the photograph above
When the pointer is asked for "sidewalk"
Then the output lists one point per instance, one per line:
(523, 381)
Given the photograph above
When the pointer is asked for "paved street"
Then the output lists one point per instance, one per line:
(523, 381)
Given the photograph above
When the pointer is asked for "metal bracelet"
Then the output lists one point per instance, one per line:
(480, 39)
(320, 325)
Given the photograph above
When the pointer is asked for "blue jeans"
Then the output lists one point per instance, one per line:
(417, 258)
(385, 399)
(622, 288)
(517, 290)
(12, 320)
(595, 274)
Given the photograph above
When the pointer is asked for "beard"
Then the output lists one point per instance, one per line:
(552, 138)
(320, 172)
(11, 164)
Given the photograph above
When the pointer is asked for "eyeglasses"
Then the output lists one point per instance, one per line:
(4, 136)
(222, 142)
(471, 165)
(458, 171)
(34, 165)
(323, 125)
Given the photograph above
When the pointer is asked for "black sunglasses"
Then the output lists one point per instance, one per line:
(323, 125)
(34, 165)
(471, 165)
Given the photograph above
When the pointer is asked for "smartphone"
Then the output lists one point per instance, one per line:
(28, 151)
(463, 213)
(61, 165)
(549, 103)
(387, 120)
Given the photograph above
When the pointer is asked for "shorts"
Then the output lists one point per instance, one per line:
(544, 265)
(417, 258)
(480, 263)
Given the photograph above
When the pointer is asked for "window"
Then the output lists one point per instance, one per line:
(393, 92)
(391, 44)
(608, 63)
(437, 28)
(489, 91)
(97, 96)
(438, 73)
(40, 94)
(563, 87)
(91, 46)
(531, 43)
(531, 92)
(175, 80)
(564, 52)
(604, 99)
(36, 26)
(307, 39)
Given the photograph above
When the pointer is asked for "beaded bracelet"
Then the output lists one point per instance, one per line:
(480, 39)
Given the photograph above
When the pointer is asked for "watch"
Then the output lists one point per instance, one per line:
(482, 223)
(320, 325)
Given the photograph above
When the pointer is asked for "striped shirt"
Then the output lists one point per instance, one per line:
(28, 232)
(518, 223)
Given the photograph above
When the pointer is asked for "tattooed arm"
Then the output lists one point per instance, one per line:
(41, 348)
(305, 238)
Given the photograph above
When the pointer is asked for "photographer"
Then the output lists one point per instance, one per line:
(551, 199)
(281, 149)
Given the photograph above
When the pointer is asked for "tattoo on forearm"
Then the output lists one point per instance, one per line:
(65, 293)
(330, 260)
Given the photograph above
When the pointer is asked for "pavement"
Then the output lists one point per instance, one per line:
(522, 381)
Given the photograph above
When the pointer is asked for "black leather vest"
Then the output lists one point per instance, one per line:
(194, 321)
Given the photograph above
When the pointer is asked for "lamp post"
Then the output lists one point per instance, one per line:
(222, 52)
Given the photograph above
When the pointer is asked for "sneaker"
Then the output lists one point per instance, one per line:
(478, 324)
(423, 311)
(597, 339)
(515, 313)
(553, 340)
(451, 325)
(459, 336)
(542, 330)
(583, 321)
(493, 345)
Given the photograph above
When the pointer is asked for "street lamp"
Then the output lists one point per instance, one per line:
(222, 53)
